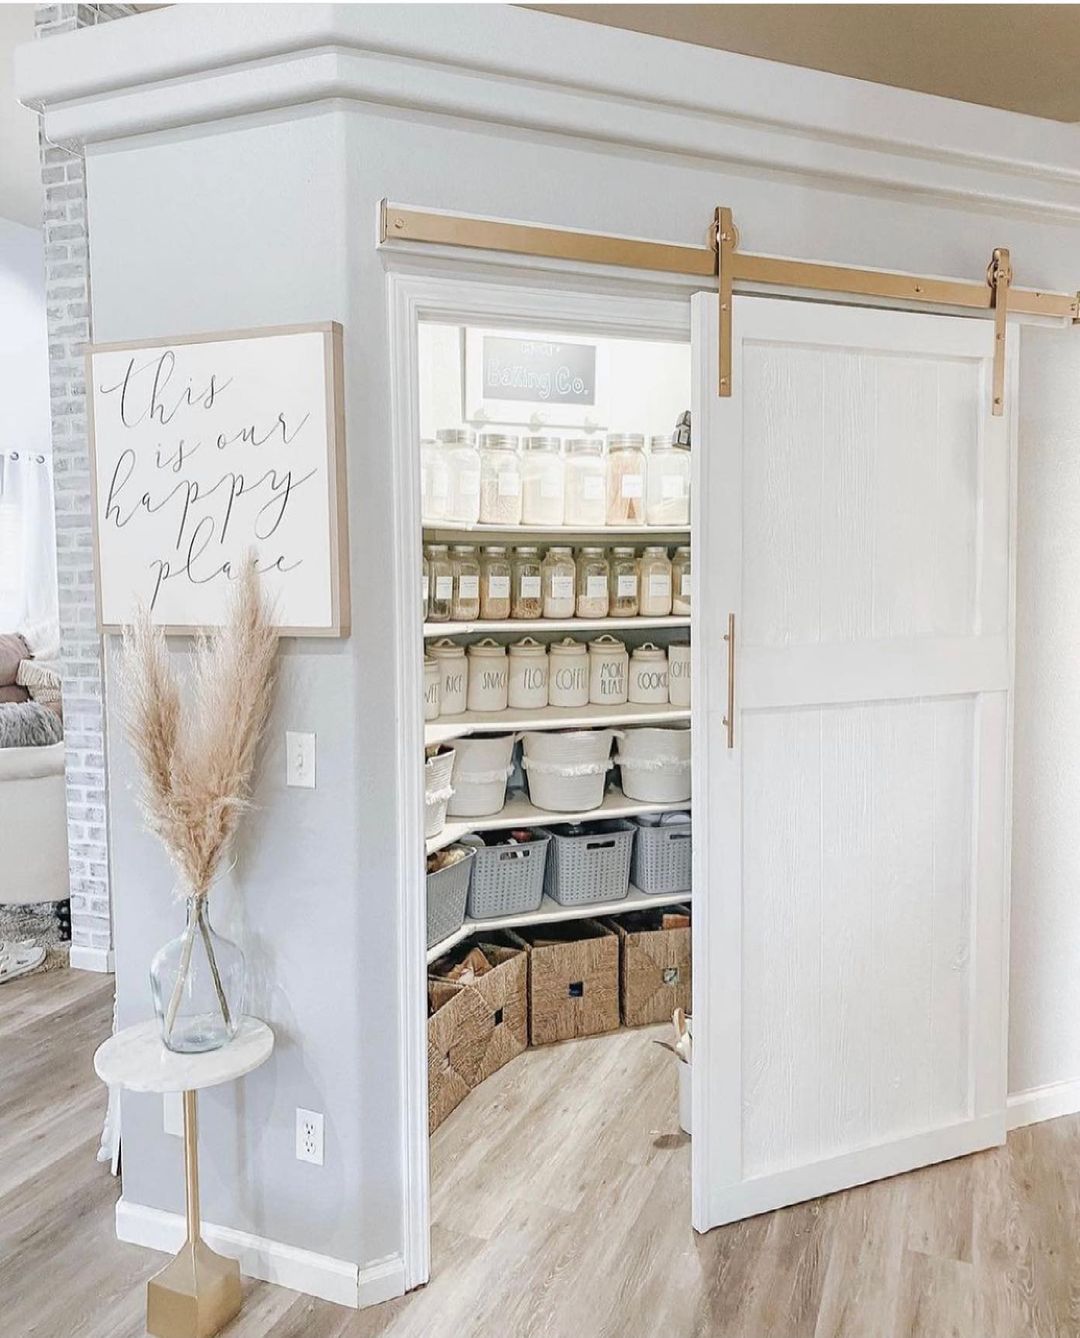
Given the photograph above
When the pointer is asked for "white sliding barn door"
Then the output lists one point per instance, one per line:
(853, 511)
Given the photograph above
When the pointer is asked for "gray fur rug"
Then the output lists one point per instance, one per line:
(29, 725)
(47, 923)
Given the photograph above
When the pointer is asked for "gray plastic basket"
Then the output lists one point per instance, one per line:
(447, 893)
(663, 858)
(583, 870)
(508, 879)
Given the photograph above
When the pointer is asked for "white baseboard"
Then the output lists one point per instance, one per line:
(1042, 1103)
(90, 959)
(301, 1270)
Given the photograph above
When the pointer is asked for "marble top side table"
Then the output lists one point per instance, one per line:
(198, 1291)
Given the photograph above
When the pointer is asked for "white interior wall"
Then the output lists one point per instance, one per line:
(24, 358)
(214, 206)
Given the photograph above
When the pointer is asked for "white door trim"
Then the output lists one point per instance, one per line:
(420, 289)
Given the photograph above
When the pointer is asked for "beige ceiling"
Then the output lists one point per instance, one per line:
(1024, 58)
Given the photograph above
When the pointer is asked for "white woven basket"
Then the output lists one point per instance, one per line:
(567, 769)
(437, 791)
(655, 764)
(480, 775)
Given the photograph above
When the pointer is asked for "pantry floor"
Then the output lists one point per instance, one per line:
(561, 1207)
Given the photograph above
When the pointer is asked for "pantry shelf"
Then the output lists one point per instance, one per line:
(445, 729)
(600, 534)
(550, 912)
(530, 626)
(519, 812)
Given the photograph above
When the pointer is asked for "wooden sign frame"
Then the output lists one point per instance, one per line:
(337, 492)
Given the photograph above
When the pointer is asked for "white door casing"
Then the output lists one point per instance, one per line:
(853, 509)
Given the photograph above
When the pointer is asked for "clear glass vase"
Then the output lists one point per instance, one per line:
(197, 981)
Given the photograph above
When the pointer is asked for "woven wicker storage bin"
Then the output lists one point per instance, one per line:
(505, 992)
(584, 870)
(655, 966)
(508, 879)
(457, 1018)
(447, 893)
(663, 858)
(573, 980)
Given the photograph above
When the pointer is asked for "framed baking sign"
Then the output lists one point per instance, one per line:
(211, 450)
(534, 380)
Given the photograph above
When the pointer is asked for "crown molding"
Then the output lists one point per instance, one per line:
(192, 64)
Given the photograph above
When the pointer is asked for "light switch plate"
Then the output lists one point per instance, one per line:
(300, 759)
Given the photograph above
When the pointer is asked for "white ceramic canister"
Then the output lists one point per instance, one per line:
(454, 676)
(568, 673)
(487, 676)
(432, 689)
(608, 671)
(648, 683)
(679, 673)
(528, 686)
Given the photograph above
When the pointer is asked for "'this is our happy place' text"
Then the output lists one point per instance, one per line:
(212, 495)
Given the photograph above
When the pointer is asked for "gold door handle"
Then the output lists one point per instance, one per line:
(729, 719)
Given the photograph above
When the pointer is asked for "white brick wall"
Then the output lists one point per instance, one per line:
(67, 292)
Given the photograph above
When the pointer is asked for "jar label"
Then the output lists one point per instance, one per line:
(660, 585)
(679, 668)
(535, 677)
(530, 587)
(562, 587)
(627, 587)
(592, 488)
(632, 485)
(438, 484)
(444, 587)
(595, 587)
(498, 587)
(684, 586)
(431, 693)
(424, 587)
(550, 487)
(672, 485)
(453, 683)
(492, 679)
(468, 587)
(469, 483)
(509, 483)
(568, 679)
(651, 680)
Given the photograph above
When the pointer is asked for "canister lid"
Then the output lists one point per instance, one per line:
(607, 644)
(498, 441)
(648, 651)
(444, 648)
(455, 436)
(625, 441)
(488, 646)
(541, 443)
(584, 446)
(568, 646)
(527, 646)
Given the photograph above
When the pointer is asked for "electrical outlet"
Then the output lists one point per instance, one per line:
(300, 760)
(309, 1136)
(173, 1114)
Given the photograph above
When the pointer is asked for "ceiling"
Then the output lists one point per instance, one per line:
(20, 177)
(1022, 58)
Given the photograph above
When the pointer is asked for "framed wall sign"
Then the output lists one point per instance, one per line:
(533, 380)
(210, 449)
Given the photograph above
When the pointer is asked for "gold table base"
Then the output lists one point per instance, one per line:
(198, 1292)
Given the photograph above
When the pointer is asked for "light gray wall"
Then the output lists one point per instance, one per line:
(24, 348)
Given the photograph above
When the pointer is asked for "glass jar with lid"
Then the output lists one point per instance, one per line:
(494, 582)
(626, 470)
(680, 581)
(655, 599)
(585, 483)
(592, 583)
(559, 583)
(434, 481)
(462, 473)
(526, 587)
(440, 583)
(623, 583)
(465, 566)
(541, 481)
(667, 500)
(500, 479)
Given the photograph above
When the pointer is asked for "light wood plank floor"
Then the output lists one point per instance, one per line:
(568, 1220)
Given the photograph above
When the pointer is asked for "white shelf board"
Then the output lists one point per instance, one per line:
(549, 717)
(598, 534)
(519, 812)
(530, 626)
(550, 912)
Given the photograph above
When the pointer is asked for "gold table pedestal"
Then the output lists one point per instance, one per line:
(198, 1291)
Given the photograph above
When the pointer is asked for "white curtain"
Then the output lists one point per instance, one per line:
(27, 541)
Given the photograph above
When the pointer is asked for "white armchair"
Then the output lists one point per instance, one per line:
(33, 825)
